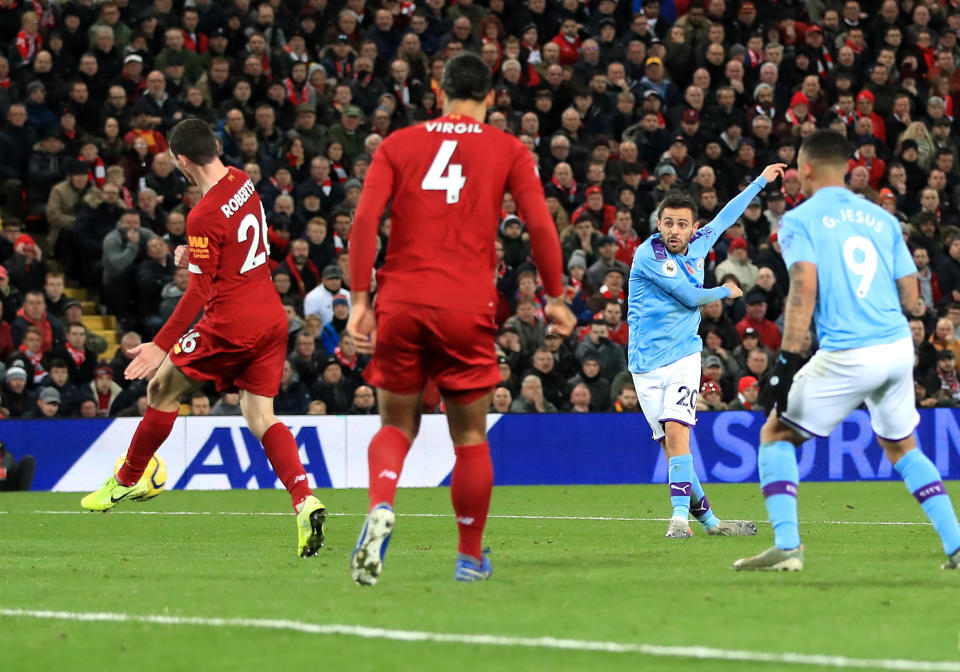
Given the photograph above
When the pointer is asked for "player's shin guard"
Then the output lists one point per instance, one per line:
(152, 431)
(388, 449)
(680, 474)
(470, 487)
(923, 480)
(778, 479)
(699, 505)
(281, 449)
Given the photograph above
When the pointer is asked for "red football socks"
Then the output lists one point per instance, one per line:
(281, 449)
(388, 449)
(152, 431)
(470, 488)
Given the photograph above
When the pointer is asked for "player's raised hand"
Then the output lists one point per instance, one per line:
(735, 291)
(181, 256)
(559, 314)
(148, 359)
(773, 171)
(362, 325)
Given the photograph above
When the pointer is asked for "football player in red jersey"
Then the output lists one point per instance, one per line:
(239, 343)
(434, 314)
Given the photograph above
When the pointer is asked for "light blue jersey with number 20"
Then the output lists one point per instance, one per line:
(859, 253)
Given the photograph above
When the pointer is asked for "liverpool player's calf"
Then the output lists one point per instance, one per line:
(281, 449)
(163, 405)
(400, 415)
(470, 487)
(472, 479)
(278, 443)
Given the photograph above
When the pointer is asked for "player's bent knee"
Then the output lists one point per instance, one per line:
(160, 392)
(259, 424)
(776, 430)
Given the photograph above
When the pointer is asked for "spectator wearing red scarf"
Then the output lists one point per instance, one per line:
(866, 156)
(81, 361)
(799, 111)
(29, 40)
(297, 264)
(791, 189)
(33, 313)
(865, 106)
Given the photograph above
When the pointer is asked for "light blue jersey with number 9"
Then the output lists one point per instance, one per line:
(859, 252)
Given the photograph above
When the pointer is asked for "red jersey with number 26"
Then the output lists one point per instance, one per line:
(446, 179)
(229, 275)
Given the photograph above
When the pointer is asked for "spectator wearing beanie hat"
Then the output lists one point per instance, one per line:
(791, 189)
(577, 269)
(14, 395)
(738, 264)
(594, 207)
(711, 397)
(865, 108)
(799, 111)
(747, 391)
(866, 156)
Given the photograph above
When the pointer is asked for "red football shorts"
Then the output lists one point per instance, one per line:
(455, 349)
(202, 355)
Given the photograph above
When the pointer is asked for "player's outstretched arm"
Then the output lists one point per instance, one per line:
(733, 209)
(149, 357)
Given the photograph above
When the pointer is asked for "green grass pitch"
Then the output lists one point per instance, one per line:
(869, 590)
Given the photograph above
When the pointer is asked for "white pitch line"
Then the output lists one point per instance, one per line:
(697, 652)
(449, 515)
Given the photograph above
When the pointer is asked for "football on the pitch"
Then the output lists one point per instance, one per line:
(155, 473)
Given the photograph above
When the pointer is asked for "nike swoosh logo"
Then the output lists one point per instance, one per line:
(120, 498)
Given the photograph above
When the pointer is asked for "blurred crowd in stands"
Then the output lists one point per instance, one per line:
(620, 101)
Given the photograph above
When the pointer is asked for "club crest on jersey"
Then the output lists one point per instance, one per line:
(700, 264)
(670, 268)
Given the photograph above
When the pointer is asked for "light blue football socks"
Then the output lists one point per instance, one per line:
(778, 479)
(923, 480)
(680, 476)
(699, 506)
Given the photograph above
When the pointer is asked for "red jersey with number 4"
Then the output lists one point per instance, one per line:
(229, 275)
(446, 179)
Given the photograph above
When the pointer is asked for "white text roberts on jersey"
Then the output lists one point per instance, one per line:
(238, 199)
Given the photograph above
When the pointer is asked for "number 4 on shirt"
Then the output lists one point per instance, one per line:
(453, 181)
